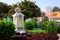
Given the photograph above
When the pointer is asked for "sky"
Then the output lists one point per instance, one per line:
(42, 4)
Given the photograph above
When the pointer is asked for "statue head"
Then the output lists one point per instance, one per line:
(17, 9)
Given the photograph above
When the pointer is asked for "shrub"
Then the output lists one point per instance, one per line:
(50, 26)
(43, 25)
(28, 25)
(36, 31)
(45, 18)
(35, 21)
(7, 29)
(58, 27)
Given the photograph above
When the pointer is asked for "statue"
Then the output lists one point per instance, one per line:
(18, 20)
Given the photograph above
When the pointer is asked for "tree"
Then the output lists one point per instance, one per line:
(28, 8)
(4, 8)
(56, 9)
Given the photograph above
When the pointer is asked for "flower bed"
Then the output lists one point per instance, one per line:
(37, 37)
(42, 37)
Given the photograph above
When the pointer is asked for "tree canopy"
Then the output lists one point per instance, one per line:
(4, 8)
(28, 8)
(56, 9)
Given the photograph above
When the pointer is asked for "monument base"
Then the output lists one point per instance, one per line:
(21, 31)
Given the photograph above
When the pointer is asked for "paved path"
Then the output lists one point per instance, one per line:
(58, 36)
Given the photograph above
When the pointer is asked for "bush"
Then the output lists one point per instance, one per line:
(50, 26)
(35, 21)
(36, 31)
(45, 18)
(7, 29)
(29, 25)
(58, 27)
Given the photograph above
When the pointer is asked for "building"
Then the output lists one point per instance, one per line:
(48, 10)
(54, 16)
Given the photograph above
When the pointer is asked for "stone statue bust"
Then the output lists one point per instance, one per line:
(17, 9)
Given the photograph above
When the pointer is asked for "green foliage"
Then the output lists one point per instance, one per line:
(7, 29)
(45, 18)
(11, 10)
(43, 23)
(58, 27)
(36, 31)
(28, 8)
(4, 8)
(50, 26)
(29, 25)
(35, 21)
